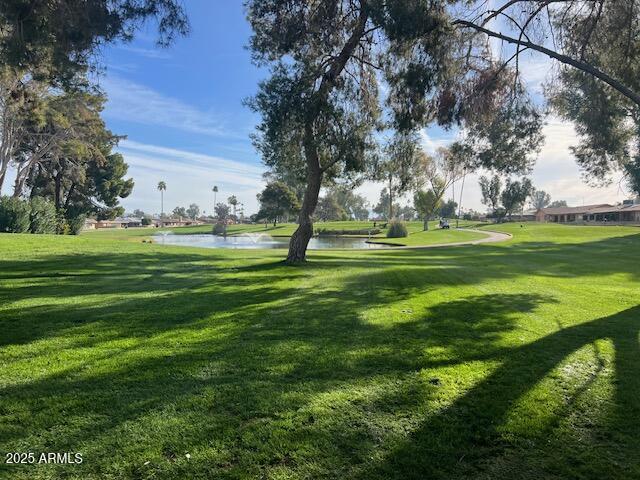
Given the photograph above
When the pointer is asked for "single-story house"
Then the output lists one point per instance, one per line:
(175, 222)
(127, 222)
(90, 224)
(109, 224)
(526, 216)
(626, 213)
(130, 222)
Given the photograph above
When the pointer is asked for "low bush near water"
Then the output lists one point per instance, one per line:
(219, 229)
(397, 229)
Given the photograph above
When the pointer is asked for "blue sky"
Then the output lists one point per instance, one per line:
(181, 109)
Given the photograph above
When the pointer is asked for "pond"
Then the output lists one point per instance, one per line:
(253, 241)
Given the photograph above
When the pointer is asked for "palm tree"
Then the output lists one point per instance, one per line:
(233, 201)
(215, 192)
(162, 187)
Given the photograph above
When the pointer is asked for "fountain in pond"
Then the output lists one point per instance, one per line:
(164, 235)
(256, 238)
(259, 241)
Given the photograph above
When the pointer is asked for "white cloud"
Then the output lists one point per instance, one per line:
(430, 144)
(154, 53)
(555, 172)
(535, 71)
(133, 102)
(189, 176)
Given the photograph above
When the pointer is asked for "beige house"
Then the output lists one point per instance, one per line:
(90, 224)
(108, 224)
(127, 222)
(601, 214)
(175, 222)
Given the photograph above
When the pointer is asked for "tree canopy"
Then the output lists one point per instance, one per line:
(490, 189)
(505, 202)
(67, 157)
(558, 204)
(355, 206)
(426, 202)
(515, 195)
(193, 211)
(321, 105)
(329, 209)
(540, 199)
(276, 201)
(56, 40)
(596, 86)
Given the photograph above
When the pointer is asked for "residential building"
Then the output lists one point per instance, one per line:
(175, 222)
(90, 224)
(626, 213)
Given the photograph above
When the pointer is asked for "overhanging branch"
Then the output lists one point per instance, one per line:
(579, 64)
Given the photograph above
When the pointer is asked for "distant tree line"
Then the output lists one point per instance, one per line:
(52, 136)
(192, 211)
(503, 203)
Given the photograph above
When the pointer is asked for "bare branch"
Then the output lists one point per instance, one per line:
(579, 64)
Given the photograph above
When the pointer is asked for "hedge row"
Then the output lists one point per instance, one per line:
(37, 215)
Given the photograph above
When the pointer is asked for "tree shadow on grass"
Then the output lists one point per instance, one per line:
(599, 257)
(464, 441)
(256, 374)
(122, 292)
(263, 362)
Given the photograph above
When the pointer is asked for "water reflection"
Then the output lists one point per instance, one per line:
(262, 241)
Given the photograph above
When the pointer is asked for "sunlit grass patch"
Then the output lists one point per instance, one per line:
(509, 360)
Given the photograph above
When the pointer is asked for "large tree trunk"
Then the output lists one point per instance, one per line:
(69, 195)
(18, 185)
(426, 224)
(3, 173)
(390, 200)
(304, 232)
(300, 238)
(58, 190)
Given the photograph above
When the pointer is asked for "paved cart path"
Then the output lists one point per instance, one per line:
(491, 237)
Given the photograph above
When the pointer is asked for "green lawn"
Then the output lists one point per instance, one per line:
(434, 236)
(416, 236)
(514, 360)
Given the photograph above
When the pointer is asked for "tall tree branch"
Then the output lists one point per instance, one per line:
(579, 64)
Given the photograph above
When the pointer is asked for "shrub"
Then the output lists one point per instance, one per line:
(76, 224)
(397, 229)
(146, 221)
(219, 229)
(62, 225)
(42, 217)
(14, 215)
